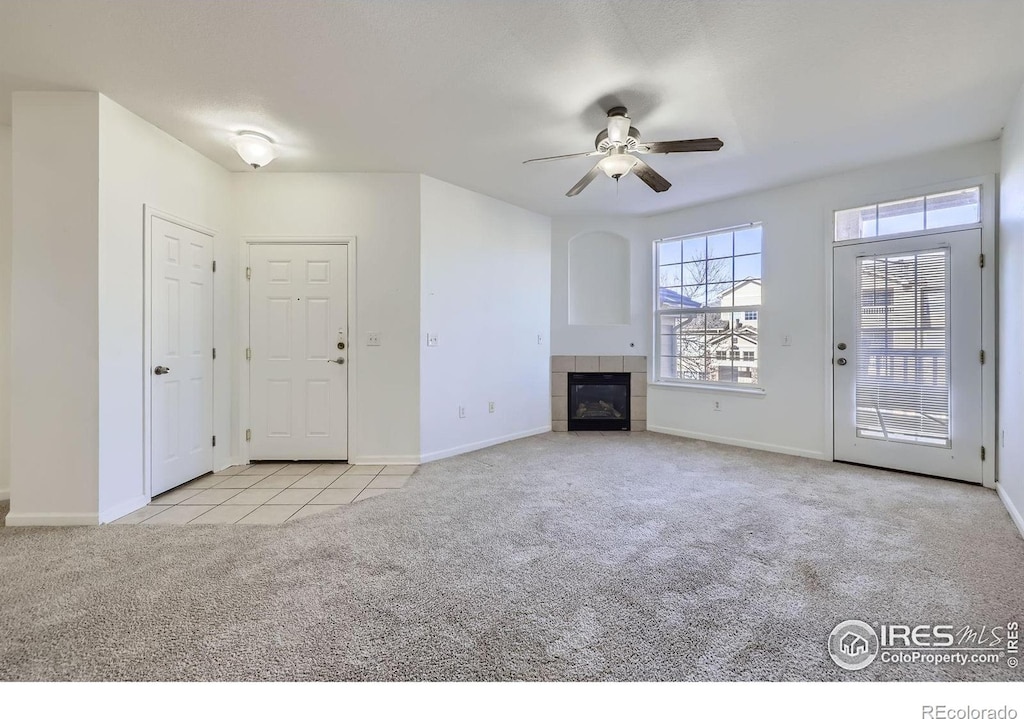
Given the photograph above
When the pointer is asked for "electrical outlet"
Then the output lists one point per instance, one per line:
(431, 339)
(787, 340)
(490, 407)
(540, 339)
(718, 406)
(373, 339)
(462, 412)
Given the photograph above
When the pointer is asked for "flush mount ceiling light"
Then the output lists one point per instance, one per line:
(257, 150)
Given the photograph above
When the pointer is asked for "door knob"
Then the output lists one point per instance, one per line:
(841, 346)
(841, 361)
(162, 370)
(340, 360)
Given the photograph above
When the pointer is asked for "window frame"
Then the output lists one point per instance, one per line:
(923, 194)
(658, 313)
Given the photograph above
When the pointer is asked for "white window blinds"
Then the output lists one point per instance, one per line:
(902, 389)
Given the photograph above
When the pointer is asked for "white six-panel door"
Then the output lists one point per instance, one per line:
(182, 354)
(298, 325)
(906, 354)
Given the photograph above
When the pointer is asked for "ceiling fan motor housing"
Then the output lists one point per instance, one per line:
(603, 144)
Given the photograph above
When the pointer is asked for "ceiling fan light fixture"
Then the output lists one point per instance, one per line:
(615, 166)
(256, 149)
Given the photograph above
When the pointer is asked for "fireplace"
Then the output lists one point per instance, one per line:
(598, 401)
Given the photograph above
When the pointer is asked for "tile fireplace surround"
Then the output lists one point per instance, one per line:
(562, 365)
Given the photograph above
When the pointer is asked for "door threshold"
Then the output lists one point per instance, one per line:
(908, 472)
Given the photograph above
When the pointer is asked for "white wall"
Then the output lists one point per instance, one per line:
(84, 168)
(55, 309)
(1011, 315)
(5, 311)
(141, 165)
(791, 415)
(486, 294)
(382, 211)
(599, 279)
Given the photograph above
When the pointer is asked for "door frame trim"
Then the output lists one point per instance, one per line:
(149, 214)
(989, 306)
(244, 329)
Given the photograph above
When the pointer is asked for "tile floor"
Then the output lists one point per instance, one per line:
(269, 493)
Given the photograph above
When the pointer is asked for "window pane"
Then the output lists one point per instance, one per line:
(748, 267)
(901, 216)
(746, 292)
(695, 248)
(857, 223)
(720, 245)
(694, 296)
(670, 298)
(943, 209)
(748, 241)
(946, 209)
(668, 253)
(718, 275)
(695, 273)
(670, 275)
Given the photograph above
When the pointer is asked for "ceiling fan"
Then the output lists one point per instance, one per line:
(617, 145)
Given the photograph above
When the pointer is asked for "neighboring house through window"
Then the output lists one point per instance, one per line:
(708, 302)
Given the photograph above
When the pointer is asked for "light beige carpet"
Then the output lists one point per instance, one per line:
(562, 557)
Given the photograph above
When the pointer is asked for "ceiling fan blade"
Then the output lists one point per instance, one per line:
(562, 157)
(651, 178)
(587, 179)
(707, 144)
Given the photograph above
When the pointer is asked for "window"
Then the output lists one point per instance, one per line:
(943, 209)
(707, 299)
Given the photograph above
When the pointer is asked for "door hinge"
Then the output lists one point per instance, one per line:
(215, 265)
(215, 353)
(214, 440)
(981, 260)
(248, 273)
(248, 435)
(982, 454)
(248, 353)
(981, 356)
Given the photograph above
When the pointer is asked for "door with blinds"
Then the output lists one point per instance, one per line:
(906, 354)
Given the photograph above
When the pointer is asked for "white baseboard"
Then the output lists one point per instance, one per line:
(233, 462)
(473, 446)
(1015, 514)
(51, 519)
(119, 510)
(764, 446)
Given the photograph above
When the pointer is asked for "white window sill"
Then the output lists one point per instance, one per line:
(751, 390)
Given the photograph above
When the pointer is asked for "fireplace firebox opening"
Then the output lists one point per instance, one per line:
(598, 401)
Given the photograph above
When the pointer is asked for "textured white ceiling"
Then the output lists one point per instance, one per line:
(466, 90)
